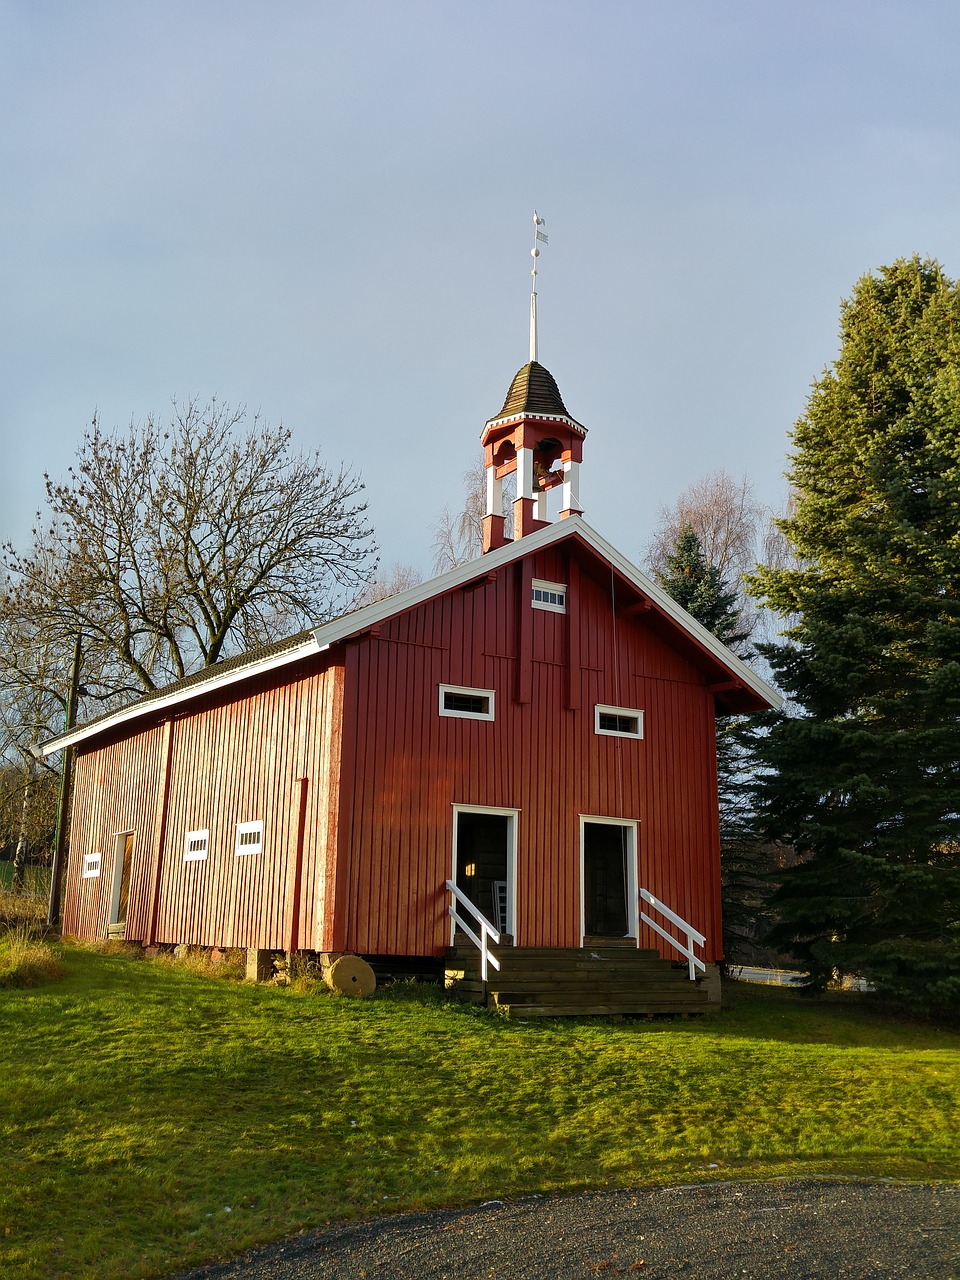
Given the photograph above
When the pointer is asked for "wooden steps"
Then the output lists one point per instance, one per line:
(550, 982)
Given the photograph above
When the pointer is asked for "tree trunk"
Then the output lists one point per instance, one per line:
(20, 855)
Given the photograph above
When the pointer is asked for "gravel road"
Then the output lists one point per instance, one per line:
(781, 1230)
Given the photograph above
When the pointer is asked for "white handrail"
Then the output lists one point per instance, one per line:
(486, 928)
(693, 937)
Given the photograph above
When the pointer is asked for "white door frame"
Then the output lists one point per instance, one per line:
(512, 816)
(631, 888)
(119, 844)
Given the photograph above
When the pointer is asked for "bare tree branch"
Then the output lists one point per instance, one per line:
(725, 516)
(168, 548)
(728, 522)
(388, 582)
(458, 537)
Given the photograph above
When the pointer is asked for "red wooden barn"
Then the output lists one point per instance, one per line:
(527, 739)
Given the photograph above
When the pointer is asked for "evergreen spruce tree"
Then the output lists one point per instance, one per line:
(863, 775)
(701, 589)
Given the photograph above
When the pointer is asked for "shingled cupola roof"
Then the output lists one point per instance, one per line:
(534, 393)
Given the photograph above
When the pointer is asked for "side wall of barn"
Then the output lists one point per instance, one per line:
(266, 753)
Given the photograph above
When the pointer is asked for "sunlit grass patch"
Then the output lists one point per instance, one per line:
(155, 1119)
(206, 963)
(26, 959)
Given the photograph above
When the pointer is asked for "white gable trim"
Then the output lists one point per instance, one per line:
(371, 615)
(176, 696)
(381, 610)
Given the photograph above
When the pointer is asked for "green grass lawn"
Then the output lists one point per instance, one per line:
(153, 1119)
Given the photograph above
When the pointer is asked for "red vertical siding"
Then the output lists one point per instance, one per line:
(354, 774)
(541, 756)
(114, 791)
(242, 758)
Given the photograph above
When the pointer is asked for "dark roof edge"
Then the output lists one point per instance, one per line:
(243, 666)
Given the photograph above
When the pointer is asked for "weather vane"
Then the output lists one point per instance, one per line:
(539, 237)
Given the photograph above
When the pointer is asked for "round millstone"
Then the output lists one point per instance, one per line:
(351, 976)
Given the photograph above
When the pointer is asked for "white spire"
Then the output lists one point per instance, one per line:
(538, 236)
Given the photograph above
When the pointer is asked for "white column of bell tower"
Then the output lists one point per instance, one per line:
(494, 492)
(523, 503)
(570, 503)
(525, 473)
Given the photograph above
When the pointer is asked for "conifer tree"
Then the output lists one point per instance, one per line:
(863, 775)
(701, 589)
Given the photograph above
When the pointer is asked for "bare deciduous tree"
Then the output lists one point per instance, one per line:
(725, 516)
(459, 537)
(32, 689)
(389, 581)
(728, 522)
(28, 796)
(169, 548)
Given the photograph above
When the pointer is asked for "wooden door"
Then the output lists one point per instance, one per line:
(123, 859)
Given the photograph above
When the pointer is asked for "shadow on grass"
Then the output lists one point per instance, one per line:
(751, 1011)
(847, 1019)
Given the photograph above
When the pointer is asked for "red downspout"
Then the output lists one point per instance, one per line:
(294, 933)
(162, 832)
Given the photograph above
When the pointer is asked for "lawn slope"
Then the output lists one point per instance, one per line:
(153, 1119)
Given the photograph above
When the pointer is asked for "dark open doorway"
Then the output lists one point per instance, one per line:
(609, 875)
(484, 855)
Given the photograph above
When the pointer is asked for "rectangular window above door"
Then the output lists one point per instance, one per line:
(551, 596)
(618, 722)
(466, 703)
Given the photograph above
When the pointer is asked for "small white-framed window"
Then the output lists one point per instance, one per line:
(549, 595)
(465, 703)
(195, 846)
(249, 838)
(618, 722)
(91, 865)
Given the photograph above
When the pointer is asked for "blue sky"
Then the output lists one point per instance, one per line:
(323, 211)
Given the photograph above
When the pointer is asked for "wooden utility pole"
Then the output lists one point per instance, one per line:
(63, 800)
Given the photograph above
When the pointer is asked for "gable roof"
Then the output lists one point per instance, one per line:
(741, 689)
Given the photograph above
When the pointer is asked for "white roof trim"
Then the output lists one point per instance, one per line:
(533, 417)
(371, 615)
(160, 702)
